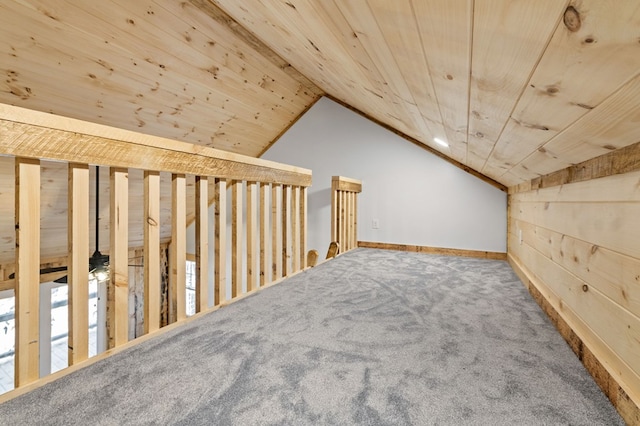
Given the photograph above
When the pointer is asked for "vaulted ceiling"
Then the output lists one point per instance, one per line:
(517, 88)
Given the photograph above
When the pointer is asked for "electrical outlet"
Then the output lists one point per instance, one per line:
(375, 224)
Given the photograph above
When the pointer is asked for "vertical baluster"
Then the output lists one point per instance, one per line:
(236, 238)
(350, 196)
(341, 221)
(276, 236)
(220, 242)
(27, 275)
(178, 255)
(151, 227)
(202, 243)
(334, 209)
(295, 228)
(252, 225)
(118, 291)
(303, 227)
(285, 231)
(355, 219)
(347, 223)
(264, 232)
(78, 253)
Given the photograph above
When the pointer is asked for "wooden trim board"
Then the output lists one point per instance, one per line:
(623, 160)
(341, 183)
(435, 250)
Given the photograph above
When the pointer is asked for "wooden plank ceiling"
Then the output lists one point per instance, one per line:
(518, 88)
(159, 67)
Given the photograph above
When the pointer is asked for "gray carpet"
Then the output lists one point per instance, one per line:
(373, 337)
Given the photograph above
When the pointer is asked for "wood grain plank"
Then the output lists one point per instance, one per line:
(579, 69)
(501, 66)
(304, 227)
(295, 229)
(265, 276)
(596, 223)
(39, 135)
(252, 236)
(434, 250)
(118, 287)
(237, 243)
(220, 241)
(80, 41)
(613, 274)
(276, 235)
(609, 126)
(406, 47)
(250, 39)
(618, 328)
(178, 250)
(78, 249)
(445, 31)
(27, 278)
(617, 367)
(202, 243)
(610, 189)
(285, 222)
(151, 262)
(369, 34)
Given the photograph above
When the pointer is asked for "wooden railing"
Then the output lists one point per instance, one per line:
(344, 212)
(267, 241)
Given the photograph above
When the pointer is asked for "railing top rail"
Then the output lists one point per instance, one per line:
(35, 134)
(342, 183)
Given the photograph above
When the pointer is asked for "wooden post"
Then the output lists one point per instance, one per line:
(27, 275)
(151, 262)
(264, 224)
(118, 291)
(303, 227)
(276, 237)
(236, 238)
(252, 227)
(178, 253)
(202, 243)
(295, 228)
(286, 191)
(344, 201)
(78, 252)
(220, 243)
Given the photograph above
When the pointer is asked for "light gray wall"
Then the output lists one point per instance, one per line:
(417, 198)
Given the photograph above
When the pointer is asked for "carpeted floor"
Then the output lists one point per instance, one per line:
(373, 337)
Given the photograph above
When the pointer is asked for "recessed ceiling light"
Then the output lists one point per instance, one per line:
(441, 142)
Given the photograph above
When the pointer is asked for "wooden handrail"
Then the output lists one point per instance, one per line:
(344, 212)
(275, 193)
(33, 134)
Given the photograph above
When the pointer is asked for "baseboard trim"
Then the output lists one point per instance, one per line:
(623, 403)
(435, 250)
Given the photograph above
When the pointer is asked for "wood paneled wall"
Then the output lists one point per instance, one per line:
(578, 244)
